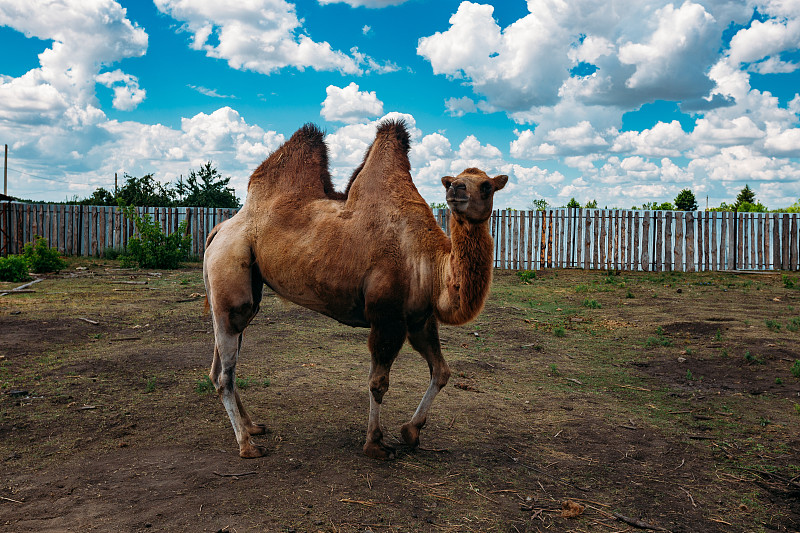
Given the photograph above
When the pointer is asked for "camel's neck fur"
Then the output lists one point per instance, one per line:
(465, 273)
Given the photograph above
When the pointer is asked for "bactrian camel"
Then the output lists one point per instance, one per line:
(371, 257)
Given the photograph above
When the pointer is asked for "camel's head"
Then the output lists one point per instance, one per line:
(470, 194)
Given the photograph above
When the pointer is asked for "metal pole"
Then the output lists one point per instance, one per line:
(5, 173)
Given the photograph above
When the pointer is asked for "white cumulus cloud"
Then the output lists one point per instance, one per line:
(349, 104)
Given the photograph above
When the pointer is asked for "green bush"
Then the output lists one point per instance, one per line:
(14, 268)
(41, 257)
(796, 368)
(153, 248)
(592, 304)
(526, 276)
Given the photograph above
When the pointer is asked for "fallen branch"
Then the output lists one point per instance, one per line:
(252, 473)
(10, 499)
(90, 321)
(636, 523)
(130, 282)
(21, 287)
(763, 473)
(360, 502)
(634, 388)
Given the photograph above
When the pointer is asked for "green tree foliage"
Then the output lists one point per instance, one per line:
(655, 206)
(146, 191)
(42, 258)
(794, 208)
(745, 195)
(203, 188)
(538, 205)
(152, 248)
(207, 188)
(573, 203)
(685, 201)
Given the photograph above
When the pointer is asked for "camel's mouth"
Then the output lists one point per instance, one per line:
(457, 195)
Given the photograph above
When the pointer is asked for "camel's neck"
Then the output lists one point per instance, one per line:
(465, 274)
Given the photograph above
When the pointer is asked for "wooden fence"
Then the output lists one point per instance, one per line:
(92, 230)
(645, 240)
(524, 240)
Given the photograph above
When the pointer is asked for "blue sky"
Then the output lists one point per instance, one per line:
(620, 101)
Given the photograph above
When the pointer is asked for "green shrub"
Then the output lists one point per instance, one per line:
(526, 276)
(773, 325)
(204, 386)
(14, 268)
(796, 368)
(41, 257)
(592, 304)
(153, 248)
(787, 281)
(558, 331)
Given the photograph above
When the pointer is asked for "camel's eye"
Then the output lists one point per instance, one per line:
(486, 188)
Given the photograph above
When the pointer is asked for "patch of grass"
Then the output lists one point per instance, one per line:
(795, 370)
(772, 325)
(204, 386)
(788, 282)
(559, 331)
(751, 359)
(592, 304)
(629, 295)
(553, 369)
(582, 288)
(689, 375)
(658, 340)
(526, 276)
(778, 381)
(150, 385)
(718, 335)
(243, 383)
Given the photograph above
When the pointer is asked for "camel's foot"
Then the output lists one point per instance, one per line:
(379, 450)
(257, 429)
(252, 451)
(410, 434)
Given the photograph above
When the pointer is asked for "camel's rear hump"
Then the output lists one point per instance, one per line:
(298, 167)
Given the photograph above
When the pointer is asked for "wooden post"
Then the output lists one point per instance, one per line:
(689, 217)
(794, 260)
(645, 242)
(659, 261)
(785, 242)
(680, 232)
(668, 248)
(587, 241)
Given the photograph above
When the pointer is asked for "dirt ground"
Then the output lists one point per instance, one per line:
(581, 401)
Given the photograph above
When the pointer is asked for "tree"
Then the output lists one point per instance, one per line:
(685, 201)
(146, 191)
(538, 205)
(100, 196)
(591, 204)
(573, 203)
(207, 188)
(745, 195)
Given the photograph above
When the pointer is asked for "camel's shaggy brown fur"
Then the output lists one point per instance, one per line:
(370, 257)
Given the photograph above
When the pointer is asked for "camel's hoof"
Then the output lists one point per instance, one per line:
(410, 434)
(252, 451)
(378, 450)
(257, 429)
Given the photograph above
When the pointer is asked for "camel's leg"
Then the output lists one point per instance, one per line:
(223, 375)
(426, 341)
(385, 341)
(233, 286)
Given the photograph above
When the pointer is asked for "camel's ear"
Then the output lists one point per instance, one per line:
(446, 181)
(499, 181)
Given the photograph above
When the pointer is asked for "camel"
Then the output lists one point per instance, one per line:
(371, 257)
